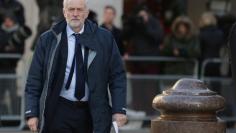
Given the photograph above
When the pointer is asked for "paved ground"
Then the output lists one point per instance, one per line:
(131, 131)
(137, 131)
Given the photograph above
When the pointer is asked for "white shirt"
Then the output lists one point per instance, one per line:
(69, 94)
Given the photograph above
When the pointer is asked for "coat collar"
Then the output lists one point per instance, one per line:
(87, 38)
(70, 32)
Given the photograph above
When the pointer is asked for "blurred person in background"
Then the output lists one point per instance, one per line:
(183, 42)
(13, 7)
(109, 16)
(211, 41)
(211, 37)
(12, 39)
(171, 10)
(143, 33)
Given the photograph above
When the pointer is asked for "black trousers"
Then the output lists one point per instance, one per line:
(72, 118)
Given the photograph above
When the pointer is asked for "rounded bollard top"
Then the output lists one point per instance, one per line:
(190, 87)
(189, 99)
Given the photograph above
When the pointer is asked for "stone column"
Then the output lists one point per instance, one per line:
(188, 107)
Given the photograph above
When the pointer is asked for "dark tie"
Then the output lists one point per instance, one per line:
(80, 71)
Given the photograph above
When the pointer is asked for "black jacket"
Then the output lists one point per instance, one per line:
(7, 47)
(105, 68)
(144, 38)
(118, 38)
(211, 40)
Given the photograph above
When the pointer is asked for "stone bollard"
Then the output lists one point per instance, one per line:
(188, 107)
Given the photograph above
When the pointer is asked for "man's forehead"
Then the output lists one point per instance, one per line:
(75, 3)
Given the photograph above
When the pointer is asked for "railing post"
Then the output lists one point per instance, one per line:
(17, 117)
(188, 107)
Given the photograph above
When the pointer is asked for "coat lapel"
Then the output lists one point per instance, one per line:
(91, 57)
(88, 41)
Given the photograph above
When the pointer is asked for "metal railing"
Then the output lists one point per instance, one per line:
(159, 77)
(219, 79)
(212, 61)
(165, 60)
(164, 76)
(12, 76)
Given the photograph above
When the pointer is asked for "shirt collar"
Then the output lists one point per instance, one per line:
(71, 32)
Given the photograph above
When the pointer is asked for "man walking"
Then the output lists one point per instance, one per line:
(73, 65)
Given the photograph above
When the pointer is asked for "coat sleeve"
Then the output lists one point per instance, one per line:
(117, 81)
(34, 83)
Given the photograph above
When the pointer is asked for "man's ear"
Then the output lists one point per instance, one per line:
(87, 13)
(64, 12)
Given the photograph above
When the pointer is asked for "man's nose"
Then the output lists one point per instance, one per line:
(75, 13)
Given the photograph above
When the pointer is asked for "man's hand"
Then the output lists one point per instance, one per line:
(121, 119)
(33, 124)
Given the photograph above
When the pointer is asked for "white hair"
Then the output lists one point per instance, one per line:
(65, 1)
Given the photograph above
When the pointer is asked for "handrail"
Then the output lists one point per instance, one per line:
(10, 56)
(12, 76)
(133, 76)
(8, 76)
(157, 77)
(215, 78)
(173, 77)
(158, 58)
(165, 59)
(208, 61)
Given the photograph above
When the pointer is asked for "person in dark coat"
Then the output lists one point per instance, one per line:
(12, 38)
(183, 42)
(14, 7)
(108, 23)
(67, 86)
(211, 41)
(8, 66)
(144, 34)
(211, 37)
